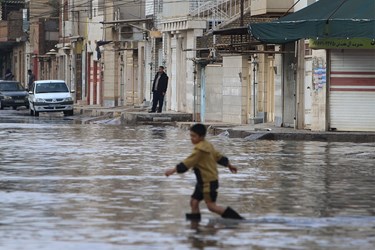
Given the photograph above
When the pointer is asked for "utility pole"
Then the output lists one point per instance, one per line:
(242, 17)
(242, 13)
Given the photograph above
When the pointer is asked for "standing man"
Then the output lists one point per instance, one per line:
(31, 79)
(159, 88)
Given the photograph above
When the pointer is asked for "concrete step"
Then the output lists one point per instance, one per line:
(134, 118)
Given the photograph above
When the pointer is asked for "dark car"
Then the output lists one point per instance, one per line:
(13, 94)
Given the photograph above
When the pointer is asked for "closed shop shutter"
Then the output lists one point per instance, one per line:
(352, 90)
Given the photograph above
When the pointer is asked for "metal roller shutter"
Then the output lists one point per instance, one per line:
(352, 90)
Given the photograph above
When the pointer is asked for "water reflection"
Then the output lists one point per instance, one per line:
(102, 187)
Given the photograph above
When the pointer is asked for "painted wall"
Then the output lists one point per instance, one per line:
(319, 96)
(308, 88)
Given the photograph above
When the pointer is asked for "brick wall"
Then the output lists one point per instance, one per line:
(14, 25)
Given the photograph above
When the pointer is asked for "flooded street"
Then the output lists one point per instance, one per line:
(72, 186)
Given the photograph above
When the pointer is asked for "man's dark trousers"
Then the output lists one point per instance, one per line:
(158, 98)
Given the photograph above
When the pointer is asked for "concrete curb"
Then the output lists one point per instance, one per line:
(298, 135)
(130, 116)
(134, 118)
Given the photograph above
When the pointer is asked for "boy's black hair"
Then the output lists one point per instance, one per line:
(199, 129)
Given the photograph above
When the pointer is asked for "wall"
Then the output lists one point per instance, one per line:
(235, 89)
(188, 71)
(302, 4)
(319, 98)
(110, 80)
(279, 67)
(131, 77)
(19, 70)
(265, 86)
(40, 8)
(94, 31)
(308, 91)
(214, 92)
(173, 8)
(289, 86)
(261, 7)
(109, 83)
(180, 69)
(304, 98)
(131, 9)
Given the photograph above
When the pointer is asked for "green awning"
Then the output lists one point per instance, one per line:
(323, 19)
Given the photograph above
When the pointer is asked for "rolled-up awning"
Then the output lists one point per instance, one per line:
(323, 19)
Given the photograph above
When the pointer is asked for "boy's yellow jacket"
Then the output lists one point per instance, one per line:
(204, 160)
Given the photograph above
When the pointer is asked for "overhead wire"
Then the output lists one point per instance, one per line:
(100, 8)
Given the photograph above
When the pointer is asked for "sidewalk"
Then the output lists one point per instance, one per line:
(263, 131)
(268, 131)
(127, 116)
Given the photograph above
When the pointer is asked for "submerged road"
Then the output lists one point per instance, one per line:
(74, 186)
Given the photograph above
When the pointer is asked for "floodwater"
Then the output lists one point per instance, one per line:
(70, 186)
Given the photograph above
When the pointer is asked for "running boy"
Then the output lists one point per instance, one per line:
(204, 160)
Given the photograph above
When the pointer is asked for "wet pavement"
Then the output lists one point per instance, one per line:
(65, 185)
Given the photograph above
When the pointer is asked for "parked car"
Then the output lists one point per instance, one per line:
(12, 94)
(50, 96)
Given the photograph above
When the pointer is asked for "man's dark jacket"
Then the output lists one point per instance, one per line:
(163, 83)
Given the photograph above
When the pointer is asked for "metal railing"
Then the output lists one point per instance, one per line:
(217, 9)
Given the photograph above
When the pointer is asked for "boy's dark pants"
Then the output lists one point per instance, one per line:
(158, 98)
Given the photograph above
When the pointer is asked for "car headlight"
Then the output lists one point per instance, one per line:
(40, 100)
(7, 97)
(68, 99)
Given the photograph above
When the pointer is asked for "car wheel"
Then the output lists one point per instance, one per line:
(36, 113)
(14, 107)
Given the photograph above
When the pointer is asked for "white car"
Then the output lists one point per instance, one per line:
(50, 96)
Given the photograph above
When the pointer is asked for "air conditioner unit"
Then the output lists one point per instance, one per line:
(129, 33)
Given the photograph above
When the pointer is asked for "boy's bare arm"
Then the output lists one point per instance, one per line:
(170, 171)
(232, 168)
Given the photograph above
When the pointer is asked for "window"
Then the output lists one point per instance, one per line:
(308, 51)
(56, 87)
(11, 86)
